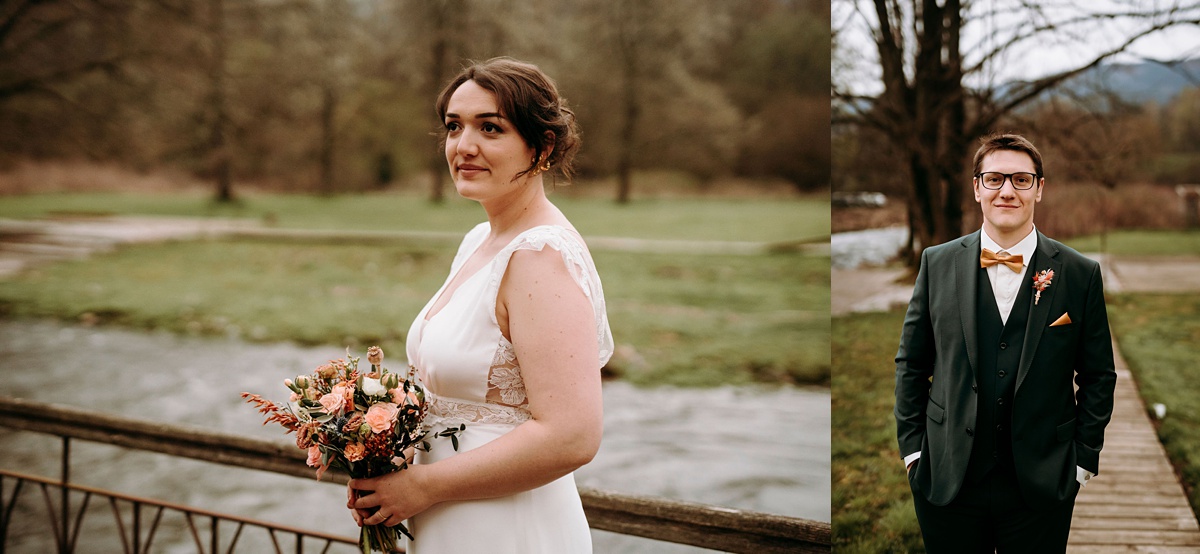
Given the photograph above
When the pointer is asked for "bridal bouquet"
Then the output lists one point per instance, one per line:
(364, 424)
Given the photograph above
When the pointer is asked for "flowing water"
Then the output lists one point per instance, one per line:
(869, 247)
(764, 449)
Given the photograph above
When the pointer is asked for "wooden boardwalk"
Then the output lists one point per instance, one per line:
(1136, 504)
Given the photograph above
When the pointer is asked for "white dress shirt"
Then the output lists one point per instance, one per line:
(1006, 284)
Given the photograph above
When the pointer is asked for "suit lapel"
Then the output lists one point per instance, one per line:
(1046, 258)
(966, 264)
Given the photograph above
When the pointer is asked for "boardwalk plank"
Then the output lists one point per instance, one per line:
(1130, 549)
(1152, 537)
(1135, 504)
(1124, 523)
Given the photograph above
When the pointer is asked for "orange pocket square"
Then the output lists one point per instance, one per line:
(1064, 319)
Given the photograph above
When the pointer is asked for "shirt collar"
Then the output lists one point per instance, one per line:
(1024, 248)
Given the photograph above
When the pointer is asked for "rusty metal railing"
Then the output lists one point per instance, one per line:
(138, 535)
(688, 523)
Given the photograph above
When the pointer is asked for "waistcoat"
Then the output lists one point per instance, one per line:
(999, 356)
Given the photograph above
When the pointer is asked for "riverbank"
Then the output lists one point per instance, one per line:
(759, 448)
(698, 312)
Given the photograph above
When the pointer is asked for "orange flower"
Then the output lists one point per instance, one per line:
(353, 423)
(314, 456)
(381, 415)
(304, 436)
(355, 451)
(411, 398)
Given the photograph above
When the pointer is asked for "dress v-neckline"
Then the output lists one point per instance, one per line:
(429, 316)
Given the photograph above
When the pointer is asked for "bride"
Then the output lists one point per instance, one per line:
(512, 344)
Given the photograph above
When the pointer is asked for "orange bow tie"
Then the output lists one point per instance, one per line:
(987, 258)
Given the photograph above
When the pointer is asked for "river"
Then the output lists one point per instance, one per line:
(866, 248)
(765, 449)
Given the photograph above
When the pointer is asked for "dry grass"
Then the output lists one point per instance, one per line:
(32, 177)
(1078, 209)
(857, 219)
(29, 177)
(1066, 210)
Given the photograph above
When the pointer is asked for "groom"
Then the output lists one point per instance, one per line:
(996, 439)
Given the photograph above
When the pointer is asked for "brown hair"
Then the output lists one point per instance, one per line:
(530, 100)
(1007, 141)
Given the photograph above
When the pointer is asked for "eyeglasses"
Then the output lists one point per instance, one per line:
(994, 180)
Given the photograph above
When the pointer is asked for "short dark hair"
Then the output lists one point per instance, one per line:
(529, 99)
(1007, 141)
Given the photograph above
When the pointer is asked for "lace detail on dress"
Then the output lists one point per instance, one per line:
(449, 411)
(505, 385)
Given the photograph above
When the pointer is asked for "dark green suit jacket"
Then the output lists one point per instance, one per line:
(1054, 427)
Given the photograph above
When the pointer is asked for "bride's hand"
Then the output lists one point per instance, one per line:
(392, 498)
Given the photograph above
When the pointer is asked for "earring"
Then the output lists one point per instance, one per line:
(545, 165)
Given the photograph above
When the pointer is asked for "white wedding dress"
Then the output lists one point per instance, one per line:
(473, 377)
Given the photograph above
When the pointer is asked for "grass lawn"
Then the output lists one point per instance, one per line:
(1159, 334)
(872, 504)
(681, 319)
(1142, 243)
(682, 218)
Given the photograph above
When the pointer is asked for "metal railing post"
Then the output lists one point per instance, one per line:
(65, 547)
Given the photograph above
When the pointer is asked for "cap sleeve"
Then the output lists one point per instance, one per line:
(579, 264)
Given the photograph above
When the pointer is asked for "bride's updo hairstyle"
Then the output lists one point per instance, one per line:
(530, 100)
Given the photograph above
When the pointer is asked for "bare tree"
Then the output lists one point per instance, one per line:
(47, 43)
(939, 91)
(220, 149)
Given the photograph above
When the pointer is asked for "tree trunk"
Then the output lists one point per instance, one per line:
(437, 74)
(927, 117)
(628, 134)
(219, 147)
(627, 47)
(328, 140)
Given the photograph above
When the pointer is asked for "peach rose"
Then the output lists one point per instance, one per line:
(355, 451)
(314, 456)
(333, 402)
(381, 415)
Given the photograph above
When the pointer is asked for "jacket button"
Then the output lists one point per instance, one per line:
(1000, 428)
(1000, 401)
(1001, 374)
(974, 387)
(1003, 345)
(970, 433)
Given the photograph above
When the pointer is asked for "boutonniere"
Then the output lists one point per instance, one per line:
(1041, 280)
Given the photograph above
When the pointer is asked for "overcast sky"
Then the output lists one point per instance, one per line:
(993, 23)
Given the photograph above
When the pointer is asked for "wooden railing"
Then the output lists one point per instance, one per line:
(688, 523)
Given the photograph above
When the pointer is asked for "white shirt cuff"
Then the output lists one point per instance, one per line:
(911, 457)
(1082, 475)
